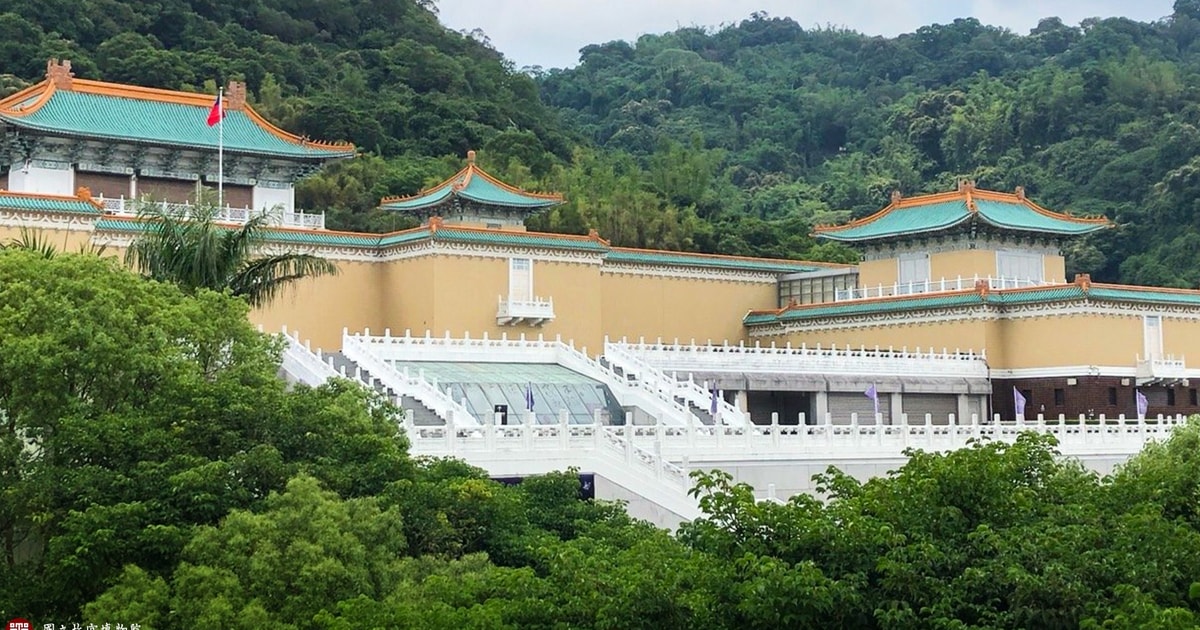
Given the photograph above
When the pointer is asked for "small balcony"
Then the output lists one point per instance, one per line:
(1160, 370)
(122, 207)
(533, 312)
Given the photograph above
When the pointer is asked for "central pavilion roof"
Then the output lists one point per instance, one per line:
(65, 106)
(968, 205)
(473, 184)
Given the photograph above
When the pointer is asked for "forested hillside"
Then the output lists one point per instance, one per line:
(1096, 119)
(733, 140)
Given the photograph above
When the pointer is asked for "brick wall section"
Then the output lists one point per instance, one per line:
(1091, 395)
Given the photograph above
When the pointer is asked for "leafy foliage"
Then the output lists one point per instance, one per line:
(153, 469)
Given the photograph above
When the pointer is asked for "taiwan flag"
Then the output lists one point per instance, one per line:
(217, 112)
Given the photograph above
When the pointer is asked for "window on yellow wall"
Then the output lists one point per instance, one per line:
(1152, 327)
(520, 279)
(913, 273)
(1019, 268)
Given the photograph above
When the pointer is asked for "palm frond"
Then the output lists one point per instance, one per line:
(34, 241)
(263, 279)
(196, 251)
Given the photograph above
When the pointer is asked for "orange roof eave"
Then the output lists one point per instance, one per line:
(47, 90)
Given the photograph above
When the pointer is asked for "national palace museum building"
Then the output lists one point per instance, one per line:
(968, 277)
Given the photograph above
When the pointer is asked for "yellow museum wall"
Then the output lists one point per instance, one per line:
(1181, 338)
(318, 308)
(873, 273)
(966, 263)
(460, 294)
(407, 295)
(1034, 342)
(61, 239)
(636, 306)
(1054, 268)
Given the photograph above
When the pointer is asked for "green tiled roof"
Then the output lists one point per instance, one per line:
(161, 122)
(1019, 216)
(910, 220)
(691, 260)
(472, 184)
(995, 209)
(1143, 294)
(68, 205)
(1010, 297)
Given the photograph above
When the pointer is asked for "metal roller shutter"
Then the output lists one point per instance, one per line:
(239, 196)
(938, 406)
(105, 185)
(842, 404)
(172, 190)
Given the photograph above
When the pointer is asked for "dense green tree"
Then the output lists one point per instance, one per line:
(133, 412)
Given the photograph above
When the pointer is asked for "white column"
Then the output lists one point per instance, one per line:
(741, 400)
(820, 407)
(897, 404)
(133, 186)
(964, 409)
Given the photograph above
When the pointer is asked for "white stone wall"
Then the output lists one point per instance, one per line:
(268, 198)
(34, 178)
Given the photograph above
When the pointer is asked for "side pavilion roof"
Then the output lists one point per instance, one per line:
(968, 205)
(474, 184)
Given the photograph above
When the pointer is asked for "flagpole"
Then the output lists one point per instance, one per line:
(220, 149)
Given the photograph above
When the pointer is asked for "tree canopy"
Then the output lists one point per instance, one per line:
(155, 470)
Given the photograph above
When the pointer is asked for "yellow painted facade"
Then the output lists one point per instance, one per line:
(952, 266)
(670, 308)
(1014, 342)
(875, 273)
(320, 307)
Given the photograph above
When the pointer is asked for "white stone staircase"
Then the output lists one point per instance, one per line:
(698, 397)
(378, 352)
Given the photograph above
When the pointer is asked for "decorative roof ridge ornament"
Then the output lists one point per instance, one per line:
(896, 196)
(967, 186)
(983, 288)
(1083, 281)
(234, 98)
(59, 74)
(1020, 193)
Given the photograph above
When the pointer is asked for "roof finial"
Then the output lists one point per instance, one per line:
(1021, 193)
(1083, 281)
(435, 223)
(235, 97)
(983, 287)
(896, 196)
(470, 157)
(59, 74)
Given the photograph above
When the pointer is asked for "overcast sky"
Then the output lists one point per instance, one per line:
(549, 33)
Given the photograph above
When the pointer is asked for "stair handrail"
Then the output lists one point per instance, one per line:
(688, 389)
(669, 410)
(355, 348)
(303, 363)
